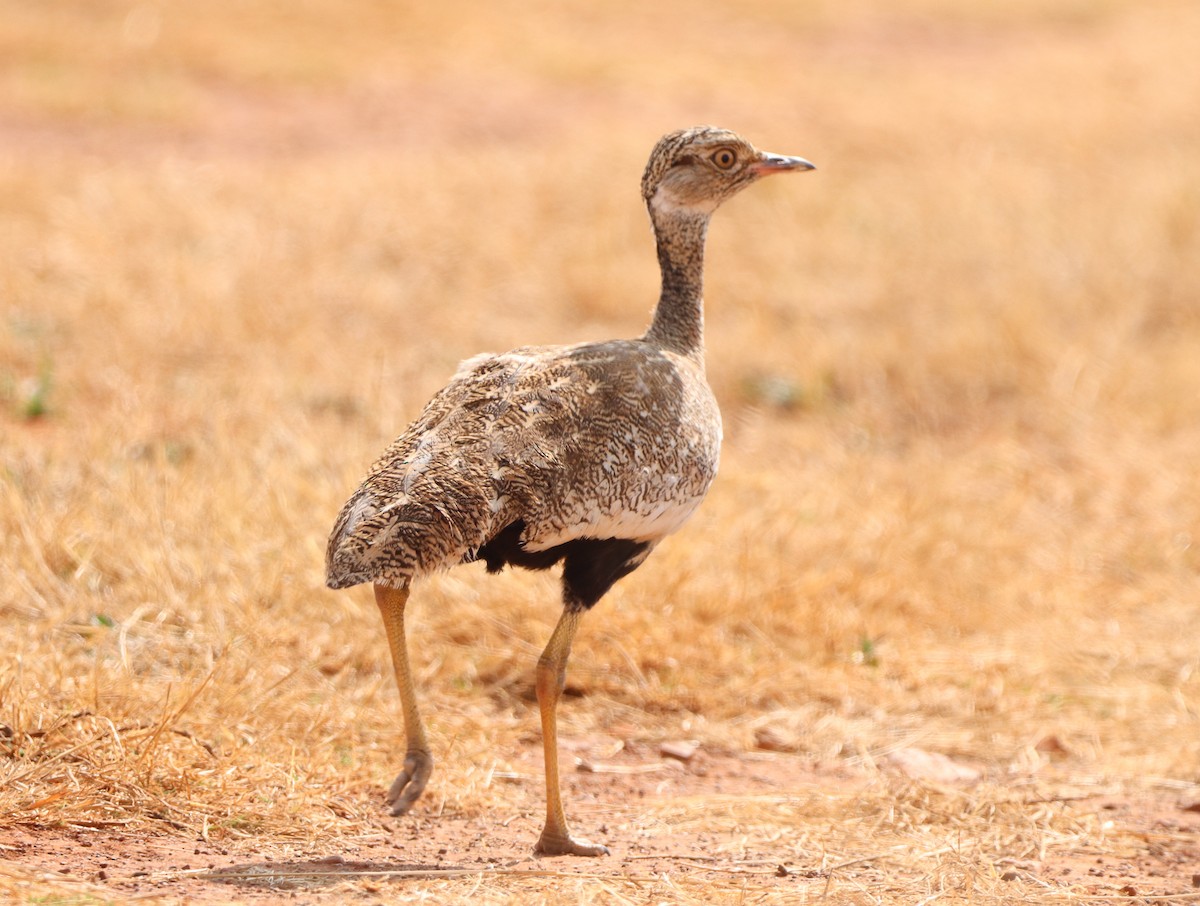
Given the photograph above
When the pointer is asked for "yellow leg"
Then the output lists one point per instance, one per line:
(556, 839)
(418, 762)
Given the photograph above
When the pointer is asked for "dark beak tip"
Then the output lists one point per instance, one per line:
(778, 163)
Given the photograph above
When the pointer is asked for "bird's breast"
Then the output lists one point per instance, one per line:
(641, 458)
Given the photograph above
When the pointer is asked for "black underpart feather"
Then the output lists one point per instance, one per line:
(590, 567)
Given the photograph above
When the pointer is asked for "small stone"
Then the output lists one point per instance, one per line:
(1052, 745)
(1009, 875)
(772, 739)
(680, 750)
(932, 766)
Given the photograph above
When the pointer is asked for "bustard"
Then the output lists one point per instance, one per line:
(588, 454)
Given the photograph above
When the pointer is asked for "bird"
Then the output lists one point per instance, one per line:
(587, 454)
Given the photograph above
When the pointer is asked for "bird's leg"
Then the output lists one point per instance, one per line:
(556, 839)
(418, 762)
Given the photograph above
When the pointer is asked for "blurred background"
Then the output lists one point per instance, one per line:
(241, 243)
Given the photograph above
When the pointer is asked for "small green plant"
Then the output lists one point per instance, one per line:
(785, 393)
(775, 391)
(867, 653)
(33, 395)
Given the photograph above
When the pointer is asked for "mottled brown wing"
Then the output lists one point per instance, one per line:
(607, 440)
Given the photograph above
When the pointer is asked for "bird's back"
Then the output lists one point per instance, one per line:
(602, 440)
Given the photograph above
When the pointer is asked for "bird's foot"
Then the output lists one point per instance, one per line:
(563, 844)
(408, 786)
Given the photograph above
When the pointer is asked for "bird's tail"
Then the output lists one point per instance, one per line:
(347, 556)
(395, 542)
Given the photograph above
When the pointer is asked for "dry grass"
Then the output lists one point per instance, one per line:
(959, 505)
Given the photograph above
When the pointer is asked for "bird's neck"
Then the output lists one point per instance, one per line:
(678, 322)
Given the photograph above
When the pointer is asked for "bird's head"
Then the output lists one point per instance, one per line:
(694, 170)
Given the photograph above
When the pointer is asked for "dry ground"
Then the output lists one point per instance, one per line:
(934, 631)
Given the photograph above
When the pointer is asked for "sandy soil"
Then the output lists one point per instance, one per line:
(1159, 852)
(125, 862)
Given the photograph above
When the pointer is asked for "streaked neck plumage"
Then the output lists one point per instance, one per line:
(680, 231)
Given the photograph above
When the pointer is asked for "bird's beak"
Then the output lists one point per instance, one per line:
(778, 163)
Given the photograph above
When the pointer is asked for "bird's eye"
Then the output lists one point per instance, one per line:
(724, 158)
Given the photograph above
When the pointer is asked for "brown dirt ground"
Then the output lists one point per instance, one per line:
(124, 862)
(151, 861)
